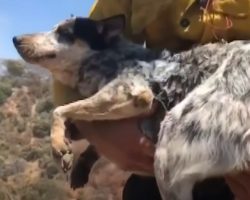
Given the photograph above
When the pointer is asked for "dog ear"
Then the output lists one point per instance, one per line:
(111, 27)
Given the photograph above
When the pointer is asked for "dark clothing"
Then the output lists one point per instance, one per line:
(145, 188)
(141, 188)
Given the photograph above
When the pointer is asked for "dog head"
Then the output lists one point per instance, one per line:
(65, 47)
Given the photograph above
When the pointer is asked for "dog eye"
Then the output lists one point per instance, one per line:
(64, 35)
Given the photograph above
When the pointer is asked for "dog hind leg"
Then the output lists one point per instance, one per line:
(179, 167)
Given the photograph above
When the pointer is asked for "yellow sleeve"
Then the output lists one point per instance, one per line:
(234, 8)
(106, 8)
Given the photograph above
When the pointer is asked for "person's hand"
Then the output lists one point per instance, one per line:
(240, 185)
(121, 142)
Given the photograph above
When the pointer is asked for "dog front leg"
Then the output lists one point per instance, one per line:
(117, 100)
(110, 103)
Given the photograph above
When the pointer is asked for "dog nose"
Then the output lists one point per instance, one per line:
(16, 41)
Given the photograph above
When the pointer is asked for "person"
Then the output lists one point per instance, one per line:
(175, 25)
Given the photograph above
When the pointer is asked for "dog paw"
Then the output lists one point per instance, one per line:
(63, 155)
(67, 161)
(144, 99)
(60, 147)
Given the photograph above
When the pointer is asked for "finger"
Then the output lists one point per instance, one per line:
(147, 146)
(57, 155)
(145, 142)
(65, 151)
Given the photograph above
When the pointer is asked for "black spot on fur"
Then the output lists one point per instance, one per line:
(99, 34)
(187, 109)
(65, 36)
(194, 131)
(86, 30)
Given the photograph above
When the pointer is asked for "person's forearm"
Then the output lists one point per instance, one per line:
(240, 185)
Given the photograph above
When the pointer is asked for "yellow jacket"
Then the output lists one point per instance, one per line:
(173, 24)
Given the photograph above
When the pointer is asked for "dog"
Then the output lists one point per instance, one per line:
(205, 93)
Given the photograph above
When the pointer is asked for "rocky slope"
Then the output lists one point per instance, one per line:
(27, 170)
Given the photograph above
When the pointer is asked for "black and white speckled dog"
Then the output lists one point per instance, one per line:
(205, 91)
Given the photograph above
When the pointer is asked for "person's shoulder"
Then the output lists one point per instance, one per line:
(106, 8)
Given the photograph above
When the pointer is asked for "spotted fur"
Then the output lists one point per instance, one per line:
(207, 133)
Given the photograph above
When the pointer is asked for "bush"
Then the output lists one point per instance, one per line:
(5, 91)
(1, 117)
(3, 97)
(32, 154)
(45, 105)
(44, 190)
(5, 195)
(21, 126)
(51, 171)
(15, 68)
(41, 127)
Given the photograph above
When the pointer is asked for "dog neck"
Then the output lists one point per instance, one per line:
(130, 50)
(66, 77)
(68, 72)
(119, 51)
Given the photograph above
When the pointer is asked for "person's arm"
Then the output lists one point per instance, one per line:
(240, 185)
(122, 142)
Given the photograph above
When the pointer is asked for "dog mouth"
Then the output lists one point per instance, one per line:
(29, 53)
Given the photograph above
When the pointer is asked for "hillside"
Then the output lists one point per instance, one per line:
(27, 170)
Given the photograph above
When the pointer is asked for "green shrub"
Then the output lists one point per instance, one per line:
(32, 154)
(30, 195)
(21, 126)
(5, 195)
(51, 171)
(45, 105)
(44, 190)
(5, 91)
(15, 68)
(3, 97)
(1, 117)
(41, 127)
